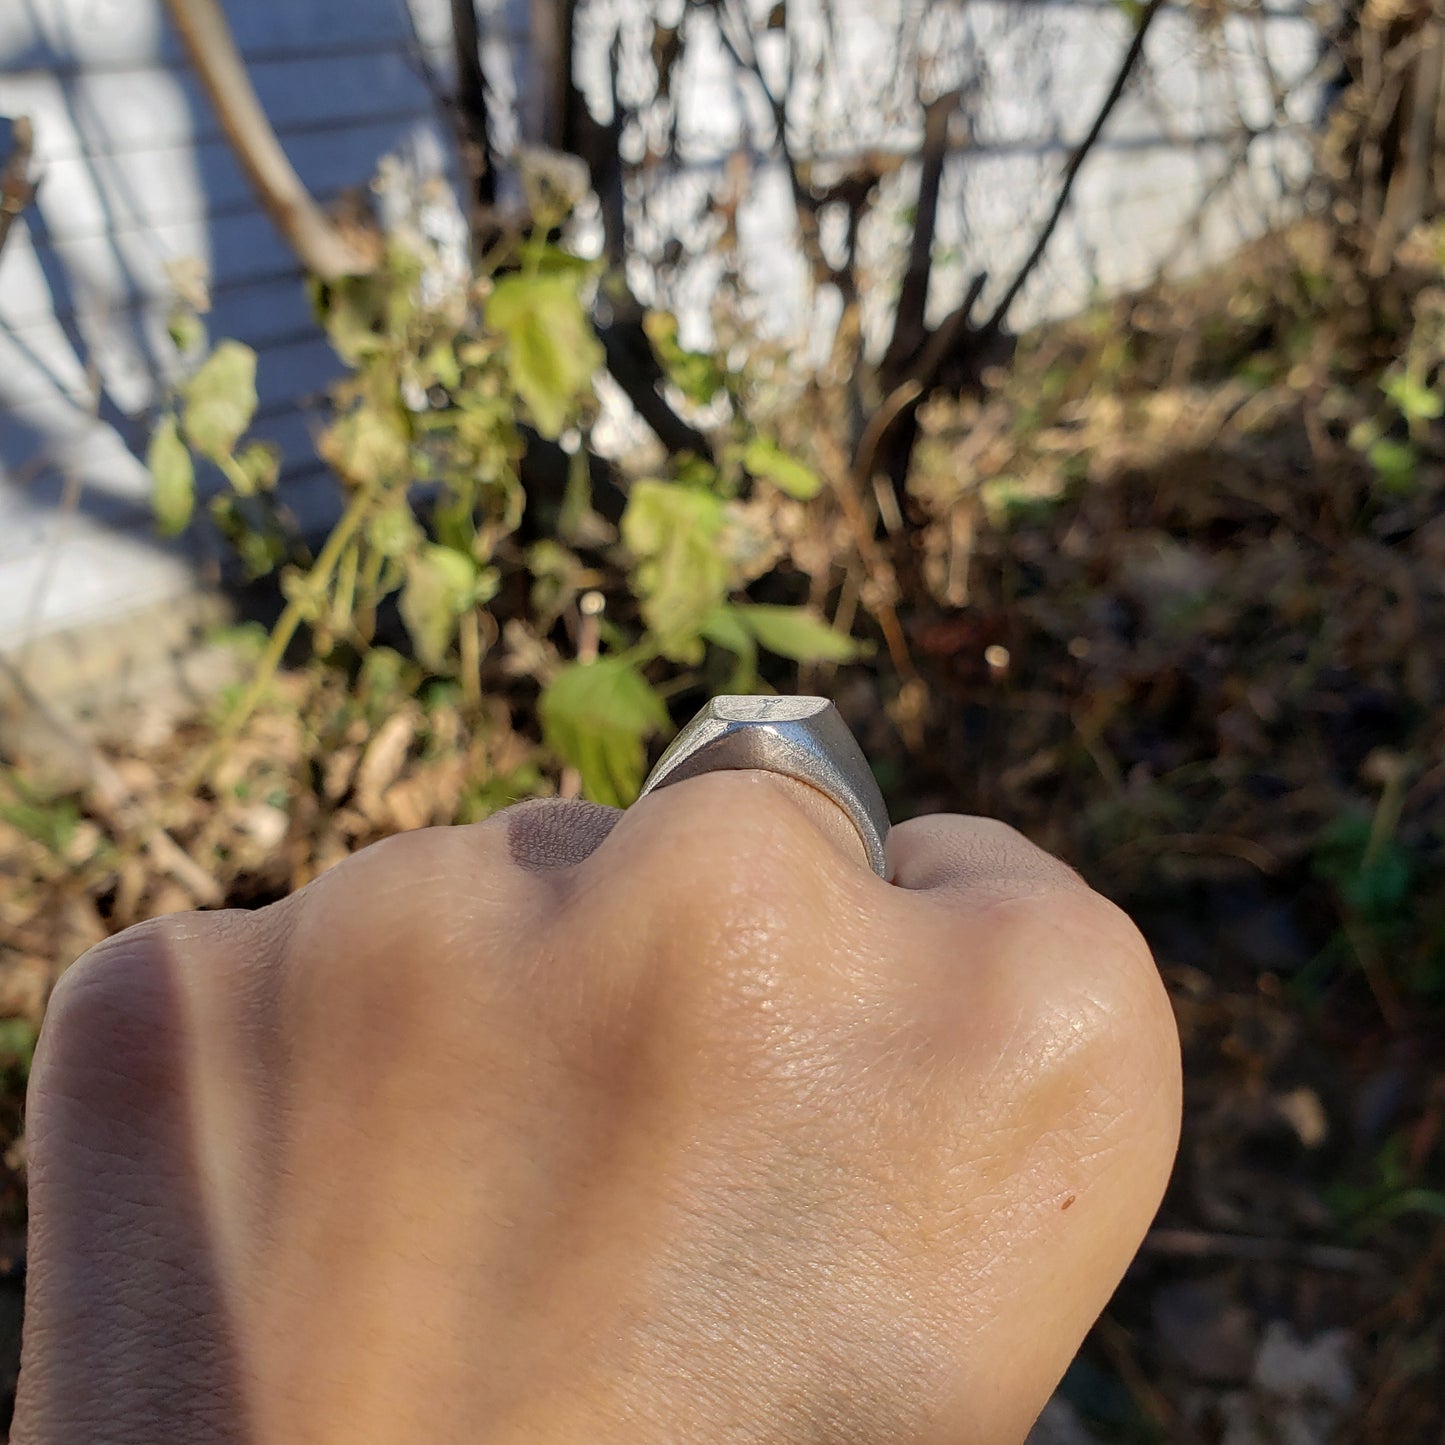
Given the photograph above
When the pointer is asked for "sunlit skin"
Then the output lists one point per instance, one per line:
(673, 1126)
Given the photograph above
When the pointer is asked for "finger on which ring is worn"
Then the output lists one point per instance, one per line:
(803, 738)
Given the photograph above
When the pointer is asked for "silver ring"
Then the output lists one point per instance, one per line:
(799, 737)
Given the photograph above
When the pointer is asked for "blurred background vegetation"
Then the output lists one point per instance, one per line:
(1160, 583)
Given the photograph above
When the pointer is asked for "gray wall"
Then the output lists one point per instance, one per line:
(135, 176)
(1169, 186)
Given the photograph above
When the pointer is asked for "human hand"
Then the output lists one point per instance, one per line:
(678, 1125)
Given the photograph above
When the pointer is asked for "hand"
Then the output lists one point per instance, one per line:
(669, 1126)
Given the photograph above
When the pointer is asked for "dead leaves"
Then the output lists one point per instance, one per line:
(1224, 702)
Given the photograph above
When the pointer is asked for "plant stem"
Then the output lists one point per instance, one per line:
(1386, 819)
(281, 635)
(469, 643)
(366, 606)
(231, 469)
(344, 596)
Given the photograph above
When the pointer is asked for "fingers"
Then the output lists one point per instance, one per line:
(1061, 1026)
(705, 1031)
(114, 1137)
(721, 841)
(972, 856)
(737, 792)
(1035, 952)
(943, 852)
(1013, 944)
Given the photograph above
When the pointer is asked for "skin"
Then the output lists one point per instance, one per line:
(675, 1126)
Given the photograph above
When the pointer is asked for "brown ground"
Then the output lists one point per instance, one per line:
(1174, 625)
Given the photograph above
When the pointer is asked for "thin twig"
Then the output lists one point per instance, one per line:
(1076, 161)
(803, 204)
(322, 247)
(881, 575)
(469, 646)
(1264, 1249)
(1151, 1401)
(590, 607)
(282, 633)
(471, 115)
(908, 327)
(916, 384)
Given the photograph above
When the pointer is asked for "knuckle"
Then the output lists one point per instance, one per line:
(1129, 1066)
(1123, 976)
(709, 884)
(545, 834)
(112, 983)
(1085, 992)
(733, 833)
(1106, 1056)
(402, 932)
(113, 1015)
(127, 985)
(977, 859)
(415, 877)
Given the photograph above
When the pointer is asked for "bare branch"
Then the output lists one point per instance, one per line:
(549, 35)
(635, 368)
(948, 335)
(1410, 176)
(947, 340)
(17, 190)
(908, 328)
(323, 248)
(1076, 161)
(745, 55)
(473, 122)
(630, 358)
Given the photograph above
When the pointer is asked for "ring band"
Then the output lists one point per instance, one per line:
(799, 737)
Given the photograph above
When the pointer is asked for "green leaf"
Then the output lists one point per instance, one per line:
(441, 584)
(258, 465)
(1364, 434)
(552, 352)
(1414, 401)
(724, 628)
(1376, 880)
(17, 1045)
(220, 400)
(696, 374)
(50, 823)
(764, 458)
(393, 530)
(440, 365)
(557, 576)
(682, 573)
(187, 331)
(173, 497)
(1429, 1202)
(796, 633)
(350, 309)
(369, 446)
(252, 530)
(597, 716)
(1394, 464)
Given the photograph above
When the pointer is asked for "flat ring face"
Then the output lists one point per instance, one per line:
(798, 737)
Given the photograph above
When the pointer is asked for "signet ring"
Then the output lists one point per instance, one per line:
(803, 738)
